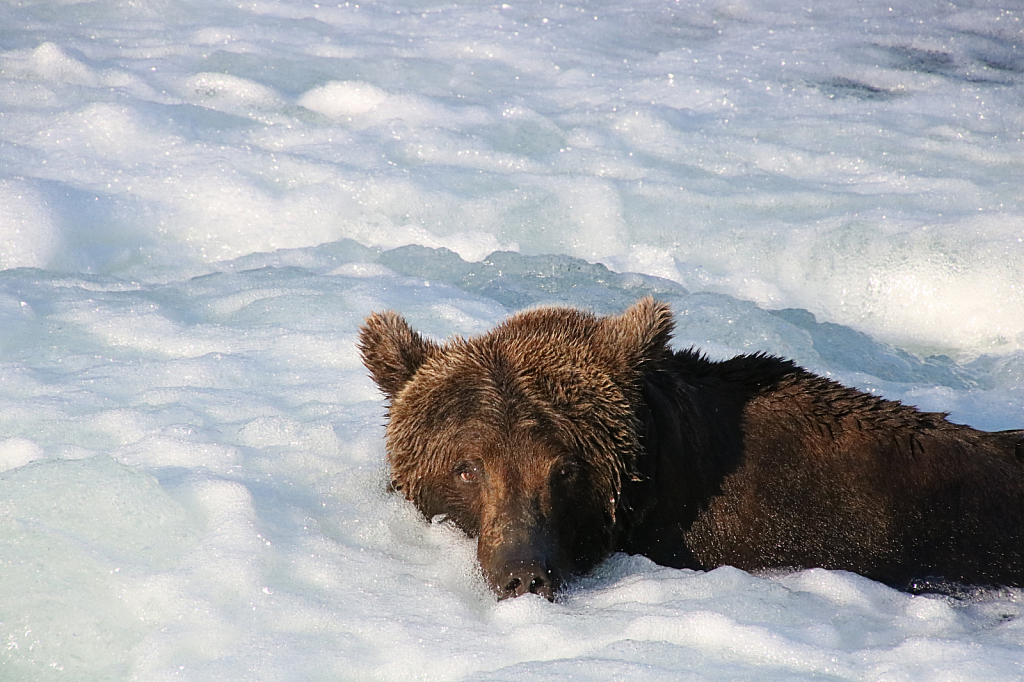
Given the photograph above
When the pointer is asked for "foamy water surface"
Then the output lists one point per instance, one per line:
(200, 202)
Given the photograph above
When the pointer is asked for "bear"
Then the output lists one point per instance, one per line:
(561, 437)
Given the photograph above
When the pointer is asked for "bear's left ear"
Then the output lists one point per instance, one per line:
(392, 351)
(642, 332)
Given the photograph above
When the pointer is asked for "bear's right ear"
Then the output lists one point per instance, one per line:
(392, 351)
(641, 334)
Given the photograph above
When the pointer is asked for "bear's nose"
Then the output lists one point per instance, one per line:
(528, 577)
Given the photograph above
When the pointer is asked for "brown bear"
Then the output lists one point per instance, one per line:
(560, 437)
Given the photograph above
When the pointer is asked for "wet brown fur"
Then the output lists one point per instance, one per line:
(559, 437)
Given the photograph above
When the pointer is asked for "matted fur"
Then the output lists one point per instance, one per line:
(563, 372)
(559, 437)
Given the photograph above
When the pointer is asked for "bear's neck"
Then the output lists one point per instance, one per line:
(690, 416)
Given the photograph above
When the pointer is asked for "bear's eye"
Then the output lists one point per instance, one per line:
(468, 472)
(568, 471)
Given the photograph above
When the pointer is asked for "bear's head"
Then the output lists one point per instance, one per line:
(521, 437)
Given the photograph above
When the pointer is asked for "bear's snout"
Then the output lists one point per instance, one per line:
(519, 577)
(520, 561)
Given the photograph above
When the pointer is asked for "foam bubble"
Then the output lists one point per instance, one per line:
(229, 93)
(16, 452)
(276, 431)
(29, 233)
(50, 61)
(339, 99)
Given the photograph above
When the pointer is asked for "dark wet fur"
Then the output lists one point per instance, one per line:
(560, 437)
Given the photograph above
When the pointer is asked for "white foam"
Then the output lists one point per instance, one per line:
(83, 531)
(29, 234)
(340, 99)
(192, 480)
(50, 62)
(225, 92)
(16, 452)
